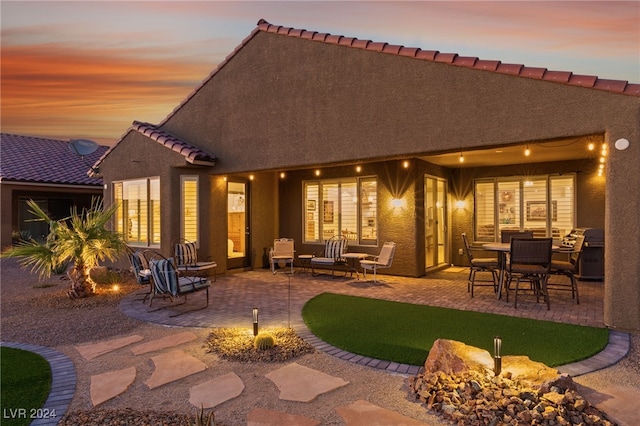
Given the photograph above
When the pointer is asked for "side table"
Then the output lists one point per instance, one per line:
(305, 261)
(353, 259)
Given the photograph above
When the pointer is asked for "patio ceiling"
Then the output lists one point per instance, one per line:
(576, 148)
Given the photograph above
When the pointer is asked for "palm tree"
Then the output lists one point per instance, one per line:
(81, 239)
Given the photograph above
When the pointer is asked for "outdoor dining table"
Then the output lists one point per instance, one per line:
(503, 249)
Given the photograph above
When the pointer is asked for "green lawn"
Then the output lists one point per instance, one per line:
(25, 381)
(404, 332)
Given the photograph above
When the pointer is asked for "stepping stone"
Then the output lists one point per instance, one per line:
(93, 350)
(365, 413)
(164, 342)
(264, 417)
(108, 385)
(216, 391)
(619, 402)
(172, 366)
(299, 383)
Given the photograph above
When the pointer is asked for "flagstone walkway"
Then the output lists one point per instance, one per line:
(280, 299)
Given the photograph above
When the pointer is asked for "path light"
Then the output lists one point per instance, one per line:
(255, 321)
(497, 359)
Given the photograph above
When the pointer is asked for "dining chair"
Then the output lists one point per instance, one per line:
(530, 261)
(507, 234)
(478, 264)
(568, 268)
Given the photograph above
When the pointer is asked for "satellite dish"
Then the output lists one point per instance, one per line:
(82, 147)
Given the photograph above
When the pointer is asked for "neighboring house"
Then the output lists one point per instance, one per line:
(46, 171)
(308, 135)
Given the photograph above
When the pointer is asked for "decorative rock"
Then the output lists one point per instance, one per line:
(466, 392)
(451, 357)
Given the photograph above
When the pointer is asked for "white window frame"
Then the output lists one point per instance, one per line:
(183, 207)
(317, 206)
(122, 215)
(521, 205)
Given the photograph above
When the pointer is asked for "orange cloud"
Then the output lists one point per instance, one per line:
(57, 90)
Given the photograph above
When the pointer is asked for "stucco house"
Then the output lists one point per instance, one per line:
(46, 171)
(307, 135)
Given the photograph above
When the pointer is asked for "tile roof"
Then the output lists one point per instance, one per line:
(191, 153)
(565, 77)
(40, 160)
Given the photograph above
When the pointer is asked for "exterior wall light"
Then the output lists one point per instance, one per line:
(358, 169)
(282, 175)
(396, 203)
(622, 144)
(460, 204)
(255, 321)
(405, 164)
(497, 359)
(317, 172)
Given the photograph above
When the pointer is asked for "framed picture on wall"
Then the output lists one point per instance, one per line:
(537, 210)
(327, 212)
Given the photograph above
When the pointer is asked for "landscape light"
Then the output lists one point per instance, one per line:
(255, 321)
(497, 359)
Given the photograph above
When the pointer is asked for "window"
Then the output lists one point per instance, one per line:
(346, 207)
(542, 204)
(138, 214)
(189, 208)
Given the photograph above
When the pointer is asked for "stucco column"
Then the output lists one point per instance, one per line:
(622, 242)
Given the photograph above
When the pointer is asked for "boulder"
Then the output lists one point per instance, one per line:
(453, 357)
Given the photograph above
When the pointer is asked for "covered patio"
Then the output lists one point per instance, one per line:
(280, 299)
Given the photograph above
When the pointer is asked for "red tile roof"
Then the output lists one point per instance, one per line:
(565, 77)
(191, 153)
(40, 160)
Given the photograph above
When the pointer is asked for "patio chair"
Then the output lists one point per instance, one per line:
(167, 282)
(480, 264)
(568, 268)
(281, 253)
(381, 261)
(140, 269)
(530, 261)
(507, 234)
(332, 256)
(187, 263)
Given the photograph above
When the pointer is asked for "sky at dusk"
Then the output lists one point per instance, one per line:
(87, 69)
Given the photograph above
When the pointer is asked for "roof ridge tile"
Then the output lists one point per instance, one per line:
(562, 77)
(192, 153)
